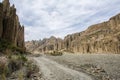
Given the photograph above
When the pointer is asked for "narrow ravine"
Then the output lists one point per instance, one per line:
(51, 70)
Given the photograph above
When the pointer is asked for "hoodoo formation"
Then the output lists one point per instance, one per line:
(47, 44)
(99, 38)
(10, 28)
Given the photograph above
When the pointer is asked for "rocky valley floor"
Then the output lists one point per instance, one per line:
(53, 71)
(80, 67)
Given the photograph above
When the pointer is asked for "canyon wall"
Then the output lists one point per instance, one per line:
(10, 28)
(99, 38)
(45, 45)
(1, 19)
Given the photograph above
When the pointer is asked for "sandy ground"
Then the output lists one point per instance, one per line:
(51, 70)
(109, 62)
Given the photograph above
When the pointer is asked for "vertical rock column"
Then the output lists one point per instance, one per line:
(9, 28)
(1, 19)
(20, 37)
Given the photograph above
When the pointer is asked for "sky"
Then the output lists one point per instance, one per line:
(45, 18)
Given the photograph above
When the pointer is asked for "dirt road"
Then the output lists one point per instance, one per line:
(52, 70)
(108, 62)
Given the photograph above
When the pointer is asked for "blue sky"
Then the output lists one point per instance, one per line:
(44, 18)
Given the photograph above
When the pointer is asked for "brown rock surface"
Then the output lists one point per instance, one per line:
(1, 19)
(99, 38)
(45, 45)
(10, 28)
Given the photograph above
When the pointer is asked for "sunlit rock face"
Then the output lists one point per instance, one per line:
(99, 38)
(10, 28)
(45, 45)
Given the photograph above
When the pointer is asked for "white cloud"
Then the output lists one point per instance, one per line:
(43, 18)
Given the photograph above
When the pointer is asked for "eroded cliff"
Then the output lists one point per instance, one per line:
(99, 38)
(10, 28)
(45, 45)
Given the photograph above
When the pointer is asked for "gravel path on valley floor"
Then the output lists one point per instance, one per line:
(52, 70)
(109, 62)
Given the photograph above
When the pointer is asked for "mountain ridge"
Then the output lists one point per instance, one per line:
(98, 38)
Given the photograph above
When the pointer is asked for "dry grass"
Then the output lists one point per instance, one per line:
(54, 53)
(10, 64)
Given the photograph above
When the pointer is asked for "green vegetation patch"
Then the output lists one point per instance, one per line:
(54, 53)
(5, 45)
(18, 67)
(11, 64)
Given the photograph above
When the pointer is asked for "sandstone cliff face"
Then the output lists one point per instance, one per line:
(31, 45)
(1, 19)
(45, 45)
(99, 38)
(10, 28)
